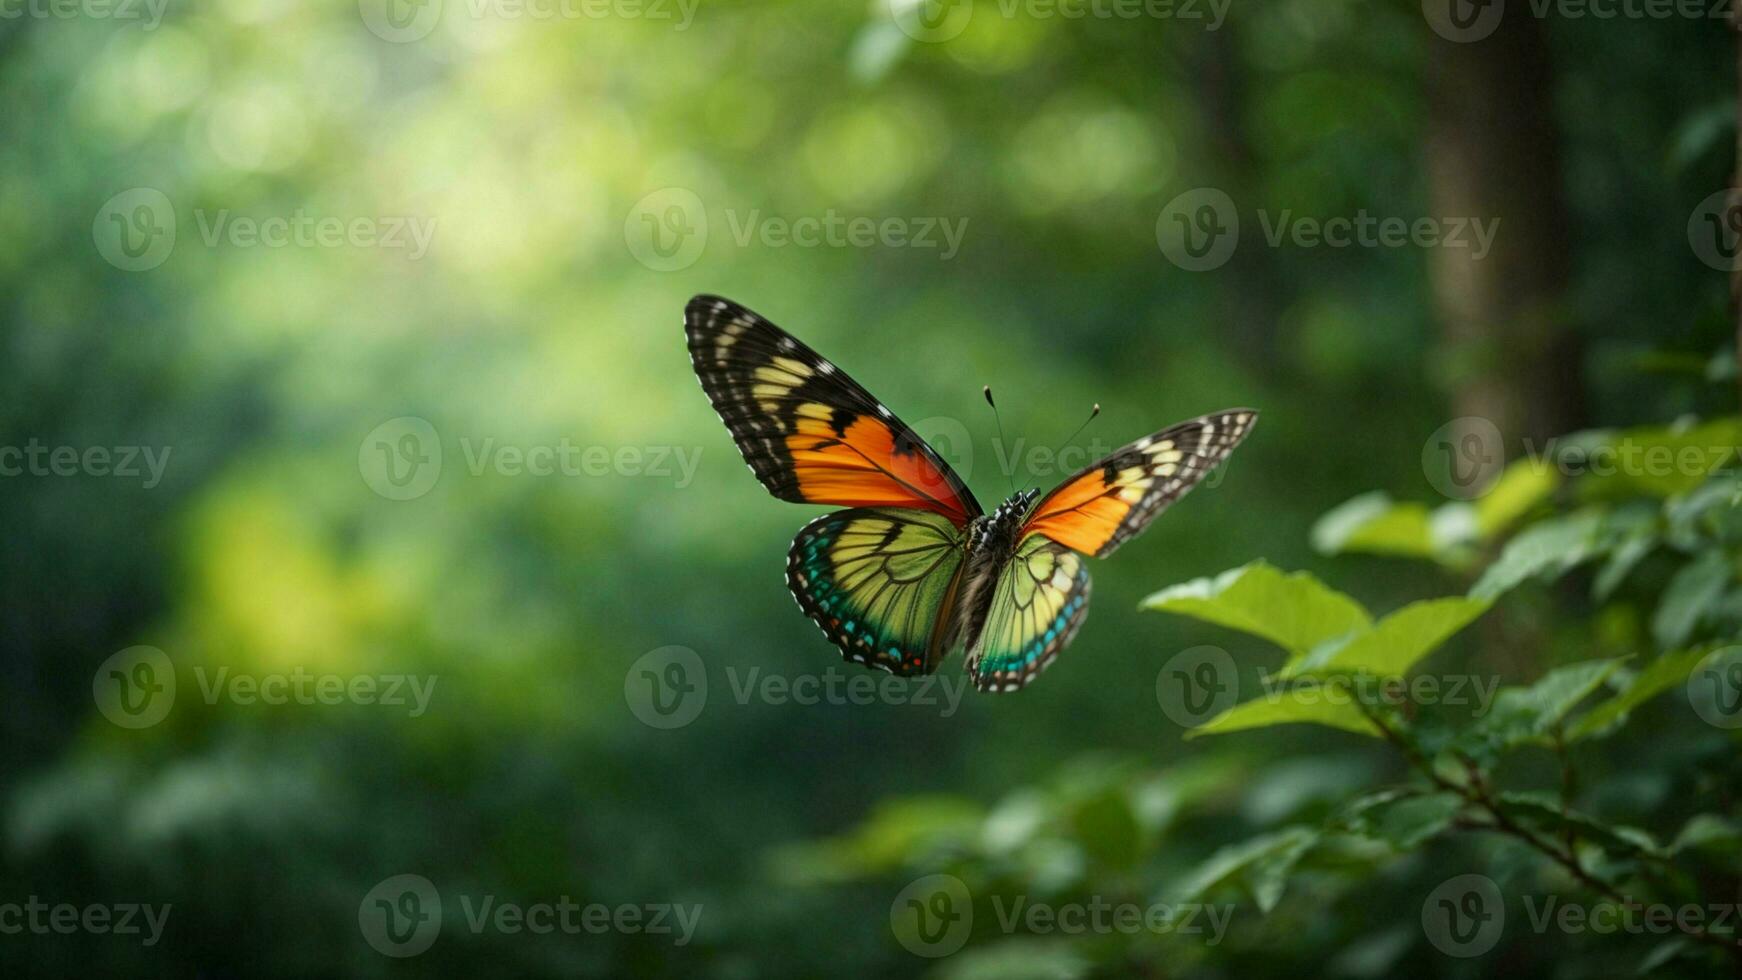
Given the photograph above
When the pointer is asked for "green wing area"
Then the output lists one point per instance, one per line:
(1037, 603)
(882, 584)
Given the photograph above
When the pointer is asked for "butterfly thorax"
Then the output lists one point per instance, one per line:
(992, 540)
(994, 536)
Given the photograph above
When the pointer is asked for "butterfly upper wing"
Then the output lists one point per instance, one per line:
(1113, 500)
(810, 433)
(882, 583)
(1037, 601)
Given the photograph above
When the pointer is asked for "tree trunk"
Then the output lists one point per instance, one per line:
(1493, 153)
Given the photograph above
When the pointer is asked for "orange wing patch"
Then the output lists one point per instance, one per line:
(1113, 500)
(810, 433)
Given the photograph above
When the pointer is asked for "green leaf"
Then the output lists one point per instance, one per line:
(1707, 831)
(1543, 812)
(1295, 611)
(1395, 643)
(1287, 708)
(1404, 820)
(1547, 548)
(1019, 958)
(1522, 714)
(1376, 524)
(1626, 556)
(1661, 461)
(1694, 590)
(1108, 828)
(1521, 486)
(1663, 673)
(892, 836)
(1260, 865)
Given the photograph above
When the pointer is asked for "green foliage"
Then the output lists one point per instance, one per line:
(1661, 556)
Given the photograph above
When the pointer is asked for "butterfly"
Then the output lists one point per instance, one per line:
(914, 567)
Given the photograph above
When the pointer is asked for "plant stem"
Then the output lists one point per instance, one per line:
(1476, 794)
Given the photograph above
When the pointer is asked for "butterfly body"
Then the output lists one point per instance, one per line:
(914, 567)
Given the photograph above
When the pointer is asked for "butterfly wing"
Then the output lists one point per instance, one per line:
(1037, 601)
(1113, 500)
(810, 433)
(882, 584)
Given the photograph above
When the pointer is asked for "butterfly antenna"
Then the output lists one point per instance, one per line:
(1092, 413)
(987, 391)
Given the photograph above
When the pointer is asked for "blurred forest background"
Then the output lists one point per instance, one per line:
(546, 308)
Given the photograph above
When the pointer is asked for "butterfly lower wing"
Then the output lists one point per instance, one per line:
(882, 583)
(1113, 500)
(810, 433)
(1037, 601)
